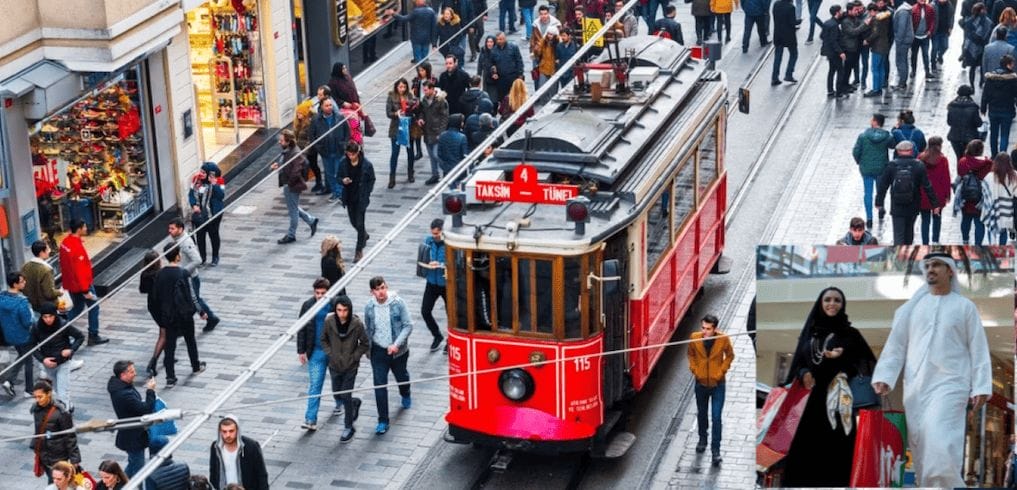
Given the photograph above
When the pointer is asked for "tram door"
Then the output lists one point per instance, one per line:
(617, 385)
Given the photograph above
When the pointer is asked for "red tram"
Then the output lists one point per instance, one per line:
(616, 267)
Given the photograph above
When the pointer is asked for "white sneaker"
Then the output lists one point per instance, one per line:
(6, 385)
(76, 364)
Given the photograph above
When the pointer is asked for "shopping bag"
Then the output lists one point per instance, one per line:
(64, 302)
(880, 447)
(403, 134)
(776, 441)
(166, 428)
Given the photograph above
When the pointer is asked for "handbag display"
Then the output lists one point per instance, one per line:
(880, 449)
(783, 416)
(862, 393)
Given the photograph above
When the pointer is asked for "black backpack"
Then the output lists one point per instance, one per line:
(971, 188)
(902, 189)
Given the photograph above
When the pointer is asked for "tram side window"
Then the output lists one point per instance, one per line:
(708, 160)
(502, 270)
(685, 199)
(534, 279)
(658, 229)
(480, 267)
(573, 288)
(460, 271)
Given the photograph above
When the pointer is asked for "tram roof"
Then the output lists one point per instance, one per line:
(575, 137)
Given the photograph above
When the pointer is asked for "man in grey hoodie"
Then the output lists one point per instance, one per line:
(903, 37)
(388, 324)
(236, 459)
(190, 258)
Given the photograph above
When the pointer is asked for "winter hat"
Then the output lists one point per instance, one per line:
(47, 308)
(965, 91)
(484, 105)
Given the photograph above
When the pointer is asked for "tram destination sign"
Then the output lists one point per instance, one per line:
(524, 187)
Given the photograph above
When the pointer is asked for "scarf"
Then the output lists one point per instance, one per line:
(839, 403)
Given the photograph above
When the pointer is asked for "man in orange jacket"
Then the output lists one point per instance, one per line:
(709, 361)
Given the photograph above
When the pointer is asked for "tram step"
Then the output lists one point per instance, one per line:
(618, 445)
(722, 266)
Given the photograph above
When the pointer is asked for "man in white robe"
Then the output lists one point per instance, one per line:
(938, 339)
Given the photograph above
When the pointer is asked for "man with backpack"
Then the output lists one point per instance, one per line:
(177, 304)
(904, 178)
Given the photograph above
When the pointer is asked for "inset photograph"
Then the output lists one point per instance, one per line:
(884, 366)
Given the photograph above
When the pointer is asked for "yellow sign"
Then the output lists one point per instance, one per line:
(590, 27)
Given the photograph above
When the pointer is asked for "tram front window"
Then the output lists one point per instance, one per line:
(520, 295)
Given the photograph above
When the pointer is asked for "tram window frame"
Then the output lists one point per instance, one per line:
(663, 201)
(463, 294)
(680, 224)
(704, 148)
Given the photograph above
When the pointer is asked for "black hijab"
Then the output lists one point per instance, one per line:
(342, 86)
(819, 325)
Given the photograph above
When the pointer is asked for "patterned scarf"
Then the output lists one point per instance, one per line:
(839, 402)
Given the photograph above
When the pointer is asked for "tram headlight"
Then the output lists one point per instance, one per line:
(516, 385)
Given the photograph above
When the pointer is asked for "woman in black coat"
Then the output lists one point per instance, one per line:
(154, 264)
(830, 352)
(963, 118)
(332, 266)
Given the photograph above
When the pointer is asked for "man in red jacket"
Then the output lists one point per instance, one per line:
(76, 269)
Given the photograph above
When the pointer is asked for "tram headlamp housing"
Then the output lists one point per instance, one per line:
(516, 384)
(578, 211)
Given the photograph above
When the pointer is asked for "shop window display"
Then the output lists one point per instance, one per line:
(90, 161)
(226, 61)
(364, 17)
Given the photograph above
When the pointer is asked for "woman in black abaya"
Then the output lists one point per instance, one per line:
(830, 352)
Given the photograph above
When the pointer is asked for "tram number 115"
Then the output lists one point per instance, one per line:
(582, 363)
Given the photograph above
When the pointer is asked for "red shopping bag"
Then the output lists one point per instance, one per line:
(786, 409)
(880, 447)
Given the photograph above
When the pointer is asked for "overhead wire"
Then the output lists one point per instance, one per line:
(163, 416)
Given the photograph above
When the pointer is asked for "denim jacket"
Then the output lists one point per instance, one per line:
(436, 276)
(402, 324)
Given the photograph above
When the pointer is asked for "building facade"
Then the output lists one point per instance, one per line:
(108, 108)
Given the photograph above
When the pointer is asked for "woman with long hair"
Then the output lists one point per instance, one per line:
(111, 476)
(1003, 187)
(484, 68)
(424, 75)
(332, 266)
(152, 263)
(977, 30)
(971, 211)
(400, 103)
(1008, 19)
(512, 102)
(451, 37)
(343, 88)
(938, 169)
(829, 353)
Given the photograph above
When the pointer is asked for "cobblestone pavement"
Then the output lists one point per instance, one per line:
(827, 190)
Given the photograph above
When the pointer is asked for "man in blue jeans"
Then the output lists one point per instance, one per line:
(388, 325)
(311, 353)
(127, 403)
(331, 141)
(423, 28)
(710, 356)
(189, 260)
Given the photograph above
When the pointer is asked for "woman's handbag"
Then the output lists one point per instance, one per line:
(862, 394)
(369, 128)
(403, 133)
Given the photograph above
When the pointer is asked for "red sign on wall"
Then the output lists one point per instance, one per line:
(525, 188)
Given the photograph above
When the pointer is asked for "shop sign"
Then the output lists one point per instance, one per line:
(525, 188)
(340, 26)
(28, 225)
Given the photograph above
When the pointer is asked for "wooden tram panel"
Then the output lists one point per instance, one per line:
(659, 149)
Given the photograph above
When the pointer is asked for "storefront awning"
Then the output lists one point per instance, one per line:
(45, 86)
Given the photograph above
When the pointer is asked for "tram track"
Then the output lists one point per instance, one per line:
(495, 473)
